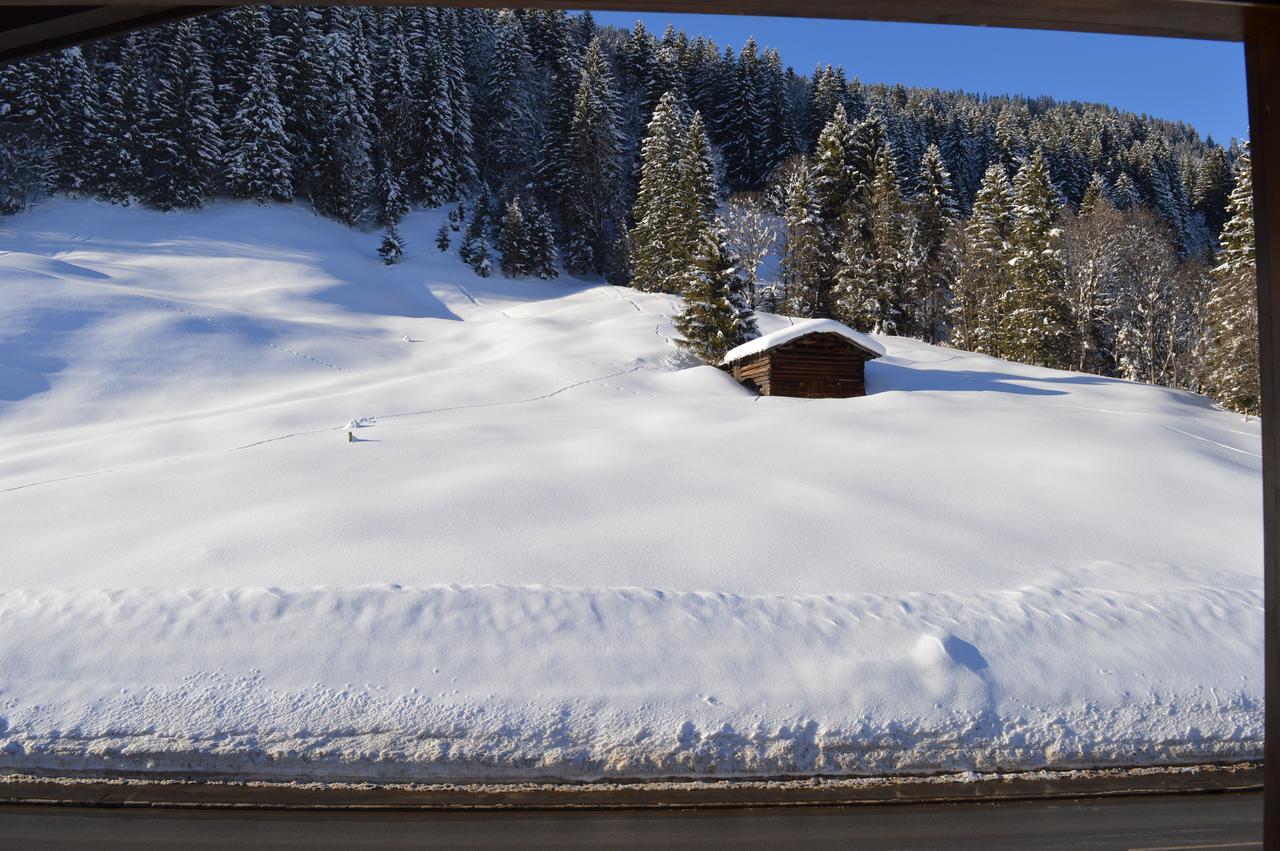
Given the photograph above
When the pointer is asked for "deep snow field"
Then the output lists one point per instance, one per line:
(553, 553)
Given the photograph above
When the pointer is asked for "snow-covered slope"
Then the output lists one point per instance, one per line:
(550, 552)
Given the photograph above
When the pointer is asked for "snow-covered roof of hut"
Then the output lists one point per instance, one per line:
(802, 329)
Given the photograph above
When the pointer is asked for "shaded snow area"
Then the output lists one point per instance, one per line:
(549, 553)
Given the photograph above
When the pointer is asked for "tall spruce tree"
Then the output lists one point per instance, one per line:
(510, 127)
(78, 118)
(983, 280)
(187, 141)
(343, 181)
(514, 241)
(257, 161)
(872, 290)
(392, 207)
(592, 176)
(125, 141)
(803, 260)
(936, 213)
(660, 249)
(1036, 325)
(1233, 313)
(1212, 190)
(716, 316)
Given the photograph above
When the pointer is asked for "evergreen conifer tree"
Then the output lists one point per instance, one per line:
(983, 282)
(659, 249)
(1233, 313)
(593, 177)
(1036, 324)
(509, 127)
(1096, 194)
(515, 242)
(1212, 190)
(392, 207)
(78, 119)
(541, 248)
(871, 290)
(187, 142)
(803, 260)
(300, 90)
(343, 178)
(936, 213)
(474, 250)
(125, 142)
(257, 161)
(1125, 193)
(715, 317)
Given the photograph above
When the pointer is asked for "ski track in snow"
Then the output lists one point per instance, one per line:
(281, 437)
(1214, 442)
(471, 298)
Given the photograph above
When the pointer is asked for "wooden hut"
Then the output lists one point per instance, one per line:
(815, 359)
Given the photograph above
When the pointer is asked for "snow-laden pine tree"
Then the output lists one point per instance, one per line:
(26, 153)
(873, 287)
(1097, 193)
(186, 138)
(257, 161)
(392, 207)
(510, 128)
(936, 213)
(541, 249)
(343, 179)
(124, 142)
(804, 257)
(592, 177)
(78, 117)
(983, 279)
(514, 241)
(397, 105)
(742, 120)
(1036, 325)
(474, 250)
(1124, 192)
(552, 174)
(716, 316)
(1212, 190)
(300, 89)
(659, 246)
(833, 176)
(698, 191)
(1233, 312)
(781, 137)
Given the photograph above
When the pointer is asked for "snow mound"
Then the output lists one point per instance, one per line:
(552, 555)
(801, 329)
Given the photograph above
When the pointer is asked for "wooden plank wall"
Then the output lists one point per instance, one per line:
(818, 366)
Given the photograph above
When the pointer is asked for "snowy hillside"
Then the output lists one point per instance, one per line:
(551, 553)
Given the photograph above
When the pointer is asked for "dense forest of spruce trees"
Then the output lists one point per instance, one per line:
(1063, 234)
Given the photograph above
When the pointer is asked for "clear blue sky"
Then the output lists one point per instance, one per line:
(1200, 82)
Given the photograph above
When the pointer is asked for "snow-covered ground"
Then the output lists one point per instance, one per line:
(551, 553)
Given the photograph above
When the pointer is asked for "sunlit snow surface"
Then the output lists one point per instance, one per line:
(550, 552)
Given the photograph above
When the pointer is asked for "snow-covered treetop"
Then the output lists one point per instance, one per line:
(802, 329)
